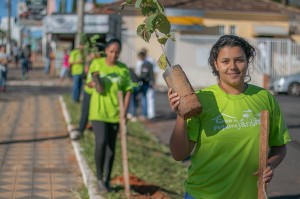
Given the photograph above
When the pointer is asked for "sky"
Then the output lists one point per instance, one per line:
(3, 9)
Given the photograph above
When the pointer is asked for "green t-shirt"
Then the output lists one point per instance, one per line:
(227, 136)
(76, 55)
(105, 106)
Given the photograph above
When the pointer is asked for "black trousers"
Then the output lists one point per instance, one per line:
(105, 141)
(84, 112)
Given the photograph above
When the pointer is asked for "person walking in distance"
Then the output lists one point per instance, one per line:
(4, 59)
(25, 61)
(76, 61)
(15, 53)
(151, 90)
(48, 54)
(223, 140)
(65, 69)
(147, 79)
(134, 102)
(108, 77)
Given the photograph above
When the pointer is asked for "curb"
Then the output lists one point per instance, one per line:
(89, 178)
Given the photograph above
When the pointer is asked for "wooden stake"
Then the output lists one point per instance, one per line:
(124, 145)
(263, 153)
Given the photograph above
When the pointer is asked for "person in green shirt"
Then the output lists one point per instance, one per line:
(76, 61)
(77, 133)
(109, 76)
(223, 140)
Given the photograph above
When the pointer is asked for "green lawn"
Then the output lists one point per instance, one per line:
(147, 159)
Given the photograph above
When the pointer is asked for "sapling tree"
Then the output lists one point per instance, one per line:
(155, 23)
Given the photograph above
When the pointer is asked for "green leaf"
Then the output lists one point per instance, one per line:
(150, 22)
(138, 3)
(159, 6)
(147, 11)
(129, 2)
(162, 24)
(163, 40)
(162, 62)
(94, 38)
(143, 32)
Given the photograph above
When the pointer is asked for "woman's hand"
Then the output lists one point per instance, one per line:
(268, 174)
(173, 100)
(91, 84)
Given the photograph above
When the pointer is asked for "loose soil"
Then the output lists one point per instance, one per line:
(142, 189)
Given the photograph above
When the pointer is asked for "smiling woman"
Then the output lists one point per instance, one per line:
(223, 140)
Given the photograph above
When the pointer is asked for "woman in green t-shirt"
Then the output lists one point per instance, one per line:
(108, 76)
(223, 140)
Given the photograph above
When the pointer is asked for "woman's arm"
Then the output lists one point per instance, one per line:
(276, 155)
(180, 145)
(126, 101)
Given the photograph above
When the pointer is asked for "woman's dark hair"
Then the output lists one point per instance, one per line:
(112, 41)
(229, 40)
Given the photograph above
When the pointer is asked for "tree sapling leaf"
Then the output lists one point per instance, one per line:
(162, 62)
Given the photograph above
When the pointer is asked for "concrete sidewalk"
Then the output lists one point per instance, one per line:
(37, 157)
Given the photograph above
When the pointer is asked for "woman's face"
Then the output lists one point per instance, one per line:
(112, 53)
(232, 66)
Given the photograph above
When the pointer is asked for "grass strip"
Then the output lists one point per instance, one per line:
(148, 160)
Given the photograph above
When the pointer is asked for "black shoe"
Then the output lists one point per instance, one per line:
(101, 187)
(107, 185)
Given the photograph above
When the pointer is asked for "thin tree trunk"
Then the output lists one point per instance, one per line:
(263, 153)
(124, 145)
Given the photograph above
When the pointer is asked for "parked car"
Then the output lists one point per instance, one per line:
(289, 84)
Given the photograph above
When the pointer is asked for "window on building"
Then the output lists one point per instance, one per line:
(221, 30)
(232, 30)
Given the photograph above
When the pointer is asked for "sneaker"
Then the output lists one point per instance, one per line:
(75, 135)
(101, 187)
(142, 118)
(107, 185)
(133, 119)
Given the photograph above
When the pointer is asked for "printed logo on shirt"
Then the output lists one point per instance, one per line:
(224, 122)
(113, 77)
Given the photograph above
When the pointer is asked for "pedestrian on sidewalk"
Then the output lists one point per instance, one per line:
(48, 55)
(109, 76)
(65, 69)
(25, 61)
(223, 140)
(134, 99)
(76, 62)
(15, 53)
(4, 59)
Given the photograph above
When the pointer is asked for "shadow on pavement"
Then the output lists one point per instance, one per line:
(35, 139)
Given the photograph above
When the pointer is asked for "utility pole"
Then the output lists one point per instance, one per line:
(284, 2)
(80, 16)
(8, 24)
